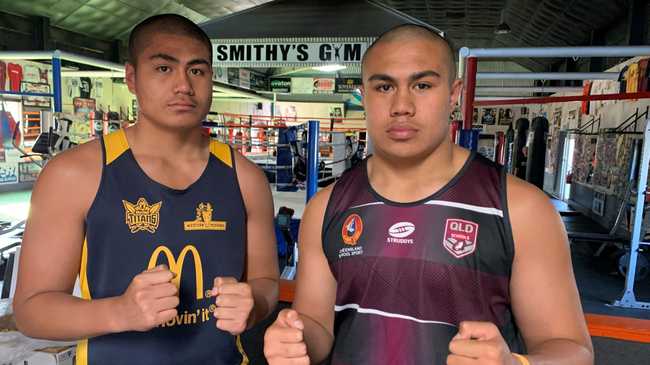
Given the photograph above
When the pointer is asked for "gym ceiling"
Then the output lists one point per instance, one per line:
(533, 23)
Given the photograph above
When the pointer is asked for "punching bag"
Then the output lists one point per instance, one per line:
(518, 156)
(284, 160)
(537, 152)
(510, 137)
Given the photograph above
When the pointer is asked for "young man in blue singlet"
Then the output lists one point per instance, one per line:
(171, 233)
(427, 253)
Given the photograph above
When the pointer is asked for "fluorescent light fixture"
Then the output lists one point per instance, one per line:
(503, 27)
(329, 68)
(98, 74)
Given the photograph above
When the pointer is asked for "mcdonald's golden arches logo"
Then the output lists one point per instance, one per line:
(141, 216)
(203, 220)
(176, 266)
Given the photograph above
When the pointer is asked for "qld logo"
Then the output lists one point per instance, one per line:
(460, 237)
(352, 229)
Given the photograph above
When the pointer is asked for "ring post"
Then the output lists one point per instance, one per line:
(312, 158)
(56, 80)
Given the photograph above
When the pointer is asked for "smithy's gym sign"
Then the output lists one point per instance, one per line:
(287, 54)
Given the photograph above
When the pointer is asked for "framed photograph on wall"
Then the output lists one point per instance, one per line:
(83, 105)
(557, 118)
(505, 116)
(523, 111)
(489, 116)
(36, 101)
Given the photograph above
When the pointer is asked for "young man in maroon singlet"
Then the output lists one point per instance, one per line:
(427, 253)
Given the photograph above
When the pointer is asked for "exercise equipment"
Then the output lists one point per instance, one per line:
(509, 148)
(285, 169)
(519, 159)
(536, 146)
(642, 266)
(500, 148)
(56, 138)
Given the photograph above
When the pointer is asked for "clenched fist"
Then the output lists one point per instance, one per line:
(479, 343)
(283, 342)
(234, 304)
(149, 301)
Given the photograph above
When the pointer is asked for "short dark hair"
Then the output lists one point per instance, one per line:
(167, 23)
(416, 30)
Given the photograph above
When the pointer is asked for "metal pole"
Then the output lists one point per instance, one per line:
(91, 61)
(249, 95)
(5, 92)
(312, 158)
(274, 103)
(468, 92)
(500, 97)
(562, 99)
(21, 55)
(461, 65)
(107, 74)
(628, 299)
(528, 89)
(45, 55)
(56, 81)
(547, 76)
(553, 52)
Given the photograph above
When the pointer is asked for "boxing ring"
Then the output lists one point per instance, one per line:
(294, 156)
(297, 159)
(467, 69)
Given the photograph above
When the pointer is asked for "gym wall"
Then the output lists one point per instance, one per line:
(106, 93)
(601, 160)
(611, 112)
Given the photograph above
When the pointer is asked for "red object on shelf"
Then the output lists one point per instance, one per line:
(454, 129)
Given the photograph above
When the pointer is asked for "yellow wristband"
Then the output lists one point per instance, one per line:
(521, 358)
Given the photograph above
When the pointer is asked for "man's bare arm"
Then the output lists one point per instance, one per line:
(544, 294)
(262, 272)
(51, 256)
(305, 334)
(51, 252)
(316, 287)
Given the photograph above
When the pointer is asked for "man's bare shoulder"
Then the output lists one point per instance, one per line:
(78, 167)
(315, 210)
(322, 197)
(247, 169)
(77, 161)
(527, 203)
(254, 186)
(522, 193)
